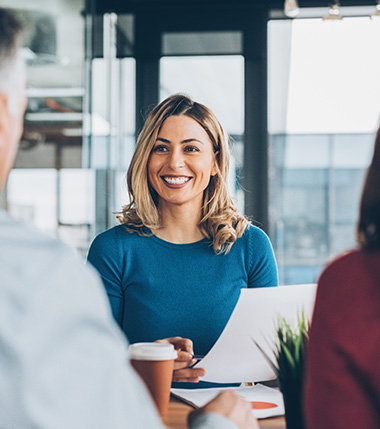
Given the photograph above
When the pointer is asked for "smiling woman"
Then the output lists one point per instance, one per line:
(180, 167)
(218, 217)
(177, 262)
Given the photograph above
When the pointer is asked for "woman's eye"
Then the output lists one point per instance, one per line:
(191, 149)
(160, 148)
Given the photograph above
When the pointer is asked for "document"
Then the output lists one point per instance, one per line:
(235, 357)
(266, 402)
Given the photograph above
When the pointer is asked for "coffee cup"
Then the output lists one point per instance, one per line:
(154, 362)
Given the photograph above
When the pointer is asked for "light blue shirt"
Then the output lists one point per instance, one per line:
(63, 360)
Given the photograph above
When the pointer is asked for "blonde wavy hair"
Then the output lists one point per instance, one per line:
(219, 218)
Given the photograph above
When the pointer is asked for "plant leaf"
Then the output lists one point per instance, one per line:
(267, 358)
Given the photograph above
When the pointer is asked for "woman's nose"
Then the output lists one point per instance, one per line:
(176, 159)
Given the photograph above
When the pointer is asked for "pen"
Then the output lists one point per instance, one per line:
(198, 357)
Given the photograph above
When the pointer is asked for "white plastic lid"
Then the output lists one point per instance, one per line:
(152, 351)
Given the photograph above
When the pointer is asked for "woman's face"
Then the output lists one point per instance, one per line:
(181, 162)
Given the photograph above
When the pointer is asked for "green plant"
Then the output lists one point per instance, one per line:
(289, 365)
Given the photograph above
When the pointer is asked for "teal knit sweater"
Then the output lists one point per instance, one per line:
(159, 289)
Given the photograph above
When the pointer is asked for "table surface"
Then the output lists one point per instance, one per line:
(178, 411)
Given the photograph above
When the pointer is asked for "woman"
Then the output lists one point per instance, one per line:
(177, 262)
(343, 376)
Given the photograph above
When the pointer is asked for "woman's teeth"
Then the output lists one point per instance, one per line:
(176, 180)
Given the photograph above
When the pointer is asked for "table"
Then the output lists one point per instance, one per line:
(178, 411)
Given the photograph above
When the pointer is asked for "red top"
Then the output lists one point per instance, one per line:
(343, 366)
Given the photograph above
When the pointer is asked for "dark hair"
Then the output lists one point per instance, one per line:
(368, 230)
(10, 32)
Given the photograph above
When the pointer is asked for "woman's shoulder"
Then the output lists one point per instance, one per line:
(254, 231)
(254, 242)
(115, 234)
(255, 236)
(345, 272)
(343, 262)
(113, 243)
(352, 262)
(348, 284)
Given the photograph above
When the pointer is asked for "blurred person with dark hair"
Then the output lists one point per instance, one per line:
(343, 376)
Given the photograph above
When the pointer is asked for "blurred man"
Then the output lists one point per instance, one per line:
(63, 360)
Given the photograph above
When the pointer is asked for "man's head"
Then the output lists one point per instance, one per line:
(12, 90)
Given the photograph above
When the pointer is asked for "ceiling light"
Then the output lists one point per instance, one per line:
(334, 12)
(291, 8)
(376, 14)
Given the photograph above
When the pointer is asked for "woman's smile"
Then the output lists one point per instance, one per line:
(176, 180)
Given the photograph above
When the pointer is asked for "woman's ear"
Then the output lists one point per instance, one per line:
(3, 106)
(214, 170)
(4, 114)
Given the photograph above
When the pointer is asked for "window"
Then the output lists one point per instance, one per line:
(323, 113)
(48, 187)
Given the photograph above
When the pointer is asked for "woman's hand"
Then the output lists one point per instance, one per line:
(182, 372)
(229, 405)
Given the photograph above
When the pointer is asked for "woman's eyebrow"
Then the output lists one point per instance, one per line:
(161, 139)
(192, 140)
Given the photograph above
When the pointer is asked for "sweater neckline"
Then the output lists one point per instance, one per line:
(178, 245)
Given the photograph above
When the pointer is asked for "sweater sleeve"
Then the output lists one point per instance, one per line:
(342, 378)
(104, 256)
(262, 266)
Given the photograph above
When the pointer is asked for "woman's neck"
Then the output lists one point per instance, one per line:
(179, 225)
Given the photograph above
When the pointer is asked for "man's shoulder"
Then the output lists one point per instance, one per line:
(13, 232)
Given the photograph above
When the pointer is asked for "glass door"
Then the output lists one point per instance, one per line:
(110, 112)
(137, 59)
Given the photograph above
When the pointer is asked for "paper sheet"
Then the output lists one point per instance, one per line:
(199, 397)
(235, 357)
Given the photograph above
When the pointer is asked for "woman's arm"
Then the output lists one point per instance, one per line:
(262, 266)
(105, 257)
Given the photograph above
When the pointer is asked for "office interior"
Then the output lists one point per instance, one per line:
(298, 95)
